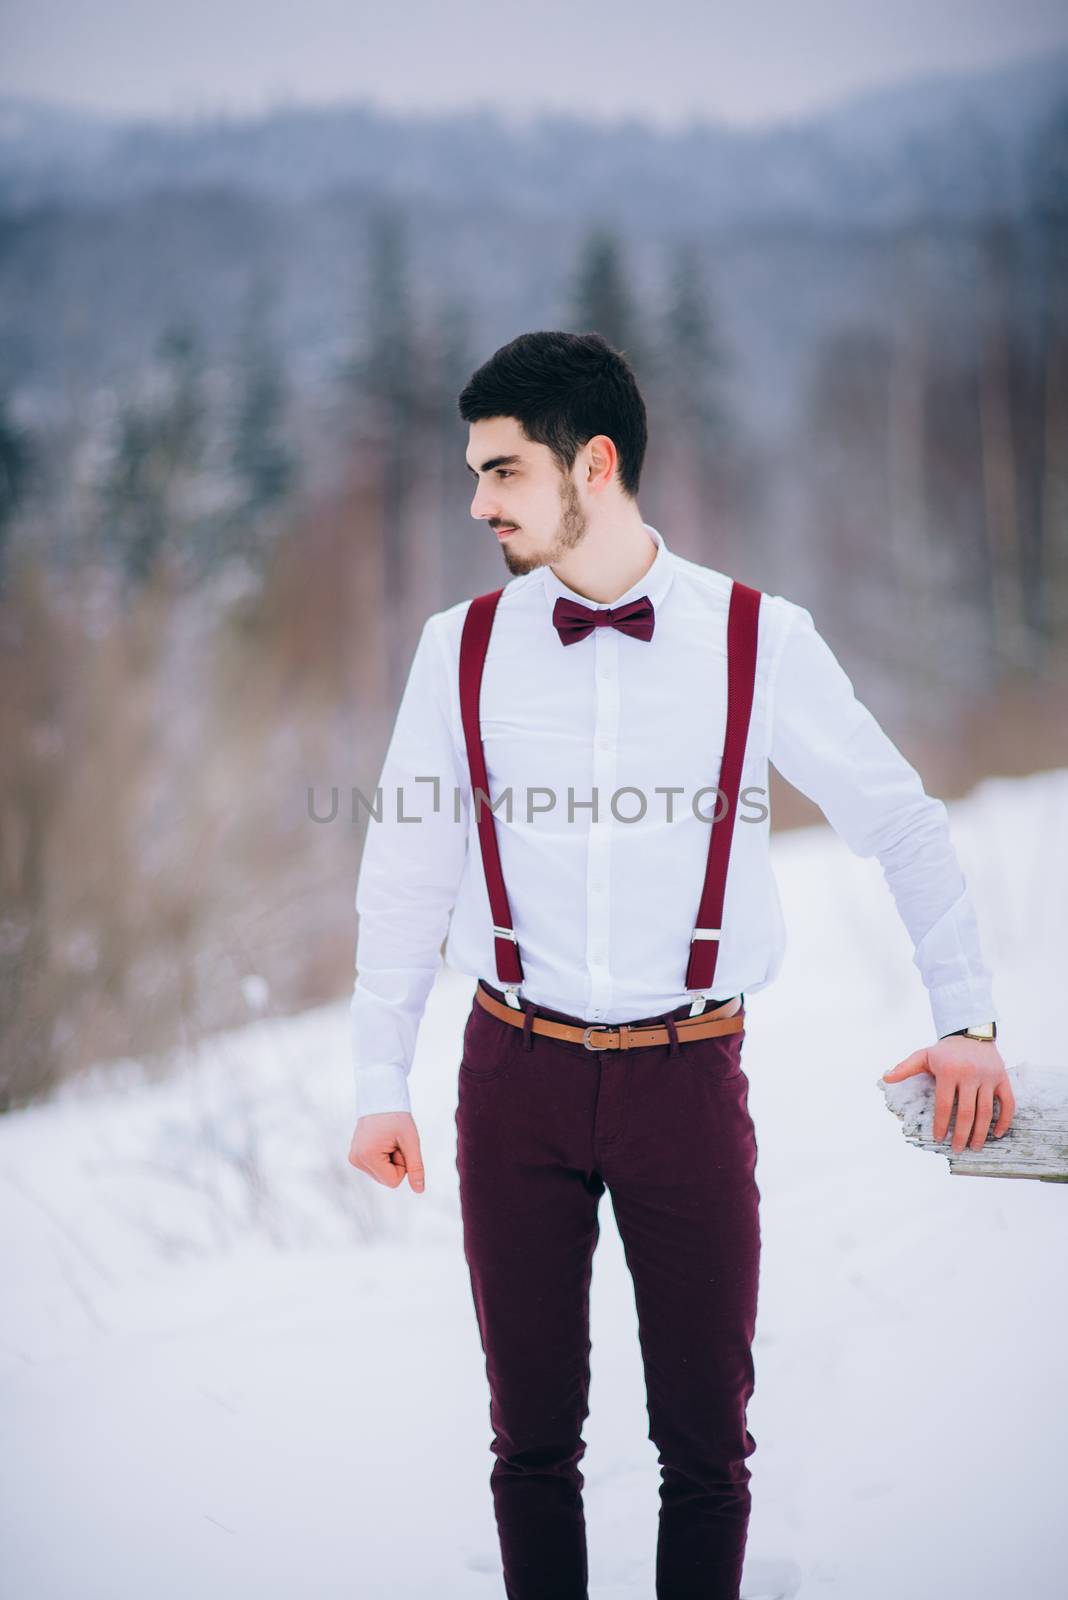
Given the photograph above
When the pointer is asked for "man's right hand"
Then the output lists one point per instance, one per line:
(386, 1146)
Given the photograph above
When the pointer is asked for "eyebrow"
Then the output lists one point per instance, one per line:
(494, 461)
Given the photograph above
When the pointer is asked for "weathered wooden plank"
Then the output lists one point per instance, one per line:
(1036, 1145)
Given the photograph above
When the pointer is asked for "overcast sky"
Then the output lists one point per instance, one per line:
(747, 61)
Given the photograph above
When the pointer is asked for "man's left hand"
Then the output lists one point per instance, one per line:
(970, 1071)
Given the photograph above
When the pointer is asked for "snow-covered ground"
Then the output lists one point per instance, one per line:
(232, 1366)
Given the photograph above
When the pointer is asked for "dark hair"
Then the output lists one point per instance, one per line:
(562, 388)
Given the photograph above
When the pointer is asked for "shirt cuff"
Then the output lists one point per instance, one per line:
(961, 1005)
(383, 1088)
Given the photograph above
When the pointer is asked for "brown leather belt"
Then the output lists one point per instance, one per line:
(727, 1018)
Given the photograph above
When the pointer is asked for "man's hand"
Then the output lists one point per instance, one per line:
(386, 1145)
(972, 1071)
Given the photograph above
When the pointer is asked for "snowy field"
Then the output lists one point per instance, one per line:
(233, 1366)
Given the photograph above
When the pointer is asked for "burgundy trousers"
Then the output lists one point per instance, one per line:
(543, 1127)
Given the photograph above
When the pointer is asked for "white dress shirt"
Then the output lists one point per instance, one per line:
(603, 908)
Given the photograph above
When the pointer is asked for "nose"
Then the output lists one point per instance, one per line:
(483, 505)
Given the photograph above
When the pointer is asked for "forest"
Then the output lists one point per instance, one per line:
(232, 482)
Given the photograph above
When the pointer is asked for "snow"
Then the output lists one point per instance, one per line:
(234, 1366)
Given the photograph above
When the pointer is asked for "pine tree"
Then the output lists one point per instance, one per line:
(602, 299)
(264, 466)
(149, 497)
(392, 409)
(697, 364)
(15, 464)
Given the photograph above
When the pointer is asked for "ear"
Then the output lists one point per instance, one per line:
(603, 459)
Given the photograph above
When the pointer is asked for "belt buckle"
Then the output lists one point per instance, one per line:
(593, 1028)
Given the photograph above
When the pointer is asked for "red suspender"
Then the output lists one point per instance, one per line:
(473, 642)
(742, 619)
(742, 628)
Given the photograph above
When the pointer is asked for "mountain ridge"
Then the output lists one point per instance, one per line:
(951, 142)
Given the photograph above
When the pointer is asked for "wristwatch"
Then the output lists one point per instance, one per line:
(982, 1030)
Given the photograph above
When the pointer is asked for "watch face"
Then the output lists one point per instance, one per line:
(986, 1030)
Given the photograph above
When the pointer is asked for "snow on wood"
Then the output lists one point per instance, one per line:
(1035, 1146)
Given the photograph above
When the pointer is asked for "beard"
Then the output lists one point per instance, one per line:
(571, 530)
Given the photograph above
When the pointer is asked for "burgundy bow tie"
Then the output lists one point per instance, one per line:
(573, 621)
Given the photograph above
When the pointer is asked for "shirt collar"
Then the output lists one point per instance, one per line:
(655, 582)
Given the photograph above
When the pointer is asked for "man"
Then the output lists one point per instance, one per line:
(599, 694)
